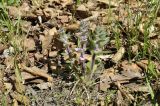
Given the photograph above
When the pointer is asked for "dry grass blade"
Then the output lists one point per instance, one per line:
(21, 98)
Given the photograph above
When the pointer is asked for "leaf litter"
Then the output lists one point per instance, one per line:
(44, 74)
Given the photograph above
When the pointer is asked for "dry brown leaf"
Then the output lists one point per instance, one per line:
(49, 35)
(135, 49)
(155, 42)
(64, 18)
(50, 12)
(136, 87)
(2, 48)
(73, 27)
(118, 56)
(131, 70)
(27, 76)
(9, 62)
(52, 53)
(110, 76)
(105, 78)
(38, 56)
(94, 16)
(90, 5)
(66, 2)
(44, 85)
(37, 72)
(29, 44)
(14, 11)
(82, 11)
(8, 87)
(144, 65)
(109, 2)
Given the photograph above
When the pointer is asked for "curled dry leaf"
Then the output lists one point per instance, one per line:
(49, 35)
(37, 72)
(144, 65)
(118, 56)
(29, 44)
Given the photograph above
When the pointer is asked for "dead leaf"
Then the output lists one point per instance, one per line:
(90, 5)
(44, 85)
(49, 35)
(135, 49)
(109, 2)
(137, 88)
(8, 87)
(73, 27)
(66, 2)
(2, 48)
(14, 11)
(38, 56)
(27, 76)
(131, 70)
(105, 80)
(37, 72)
(64, 18)
(118, 56)
(52, 53)
(94, 16)
(29, 44)
(82, 11)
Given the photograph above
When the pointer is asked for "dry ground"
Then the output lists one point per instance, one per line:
(80, 52)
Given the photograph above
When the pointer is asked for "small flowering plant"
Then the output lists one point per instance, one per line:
(93, 42)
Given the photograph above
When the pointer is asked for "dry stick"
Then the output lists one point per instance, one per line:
(38, 72)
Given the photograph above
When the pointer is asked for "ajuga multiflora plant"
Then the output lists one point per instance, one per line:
(96, 43)
(87, 40)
